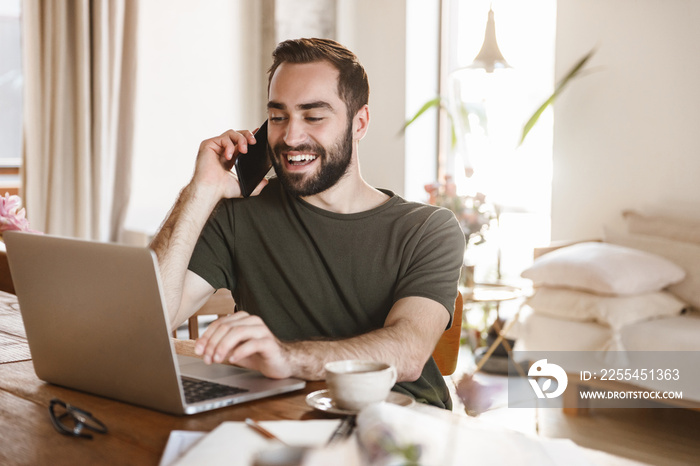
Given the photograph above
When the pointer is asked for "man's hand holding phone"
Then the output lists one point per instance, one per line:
(212, 181)
(217, 156)
(254, 164)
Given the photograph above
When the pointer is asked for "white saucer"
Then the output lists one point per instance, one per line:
(322, 401)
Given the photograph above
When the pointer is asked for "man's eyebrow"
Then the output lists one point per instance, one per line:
(317, 104)
(307, 106)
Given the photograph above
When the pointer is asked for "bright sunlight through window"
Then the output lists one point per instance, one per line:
(516, 178)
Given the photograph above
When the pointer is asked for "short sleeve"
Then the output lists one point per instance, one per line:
(212, 258)
(434, 259)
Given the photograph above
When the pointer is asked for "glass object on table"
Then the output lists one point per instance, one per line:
(493, 294)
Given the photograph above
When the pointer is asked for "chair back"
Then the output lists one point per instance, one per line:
(447, 348)
(220, 304)
(6, 283)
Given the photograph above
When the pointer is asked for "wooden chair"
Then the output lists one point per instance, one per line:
(6, 283)
(447, 348)
(445, 353)
(220, 304)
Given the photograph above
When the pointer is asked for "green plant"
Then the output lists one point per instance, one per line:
(558, 89)
(459, 117)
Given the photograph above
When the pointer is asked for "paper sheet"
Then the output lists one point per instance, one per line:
(445, 439)
(234, 443)
(179, 442)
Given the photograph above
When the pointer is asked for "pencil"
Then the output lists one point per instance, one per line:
(262, 431)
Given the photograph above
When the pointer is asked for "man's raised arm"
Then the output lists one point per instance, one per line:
(212, 181)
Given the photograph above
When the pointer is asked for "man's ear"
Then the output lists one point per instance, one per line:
(360, 123)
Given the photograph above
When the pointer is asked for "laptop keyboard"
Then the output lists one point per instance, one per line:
(200, 390)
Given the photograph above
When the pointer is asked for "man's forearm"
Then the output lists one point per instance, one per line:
(404, 345)
(175, 241)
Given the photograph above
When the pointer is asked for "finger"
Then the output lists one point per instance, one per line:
(224, 334)
(249, 137)
(264, 347)
(236, 337)
(232, 141)
(210, 343)
(228, 143)
(214, 332)
(204, 339)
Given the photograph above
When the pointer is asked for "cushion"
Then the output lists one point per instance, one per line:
(614, 311)
(664, 226)
(605, 269)
(686, 255)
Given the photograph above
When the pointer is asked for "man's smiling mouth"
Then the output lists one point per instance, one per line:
(301, 159)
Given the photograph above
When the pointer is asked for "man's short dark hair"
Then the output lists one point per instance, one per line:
(353, 85)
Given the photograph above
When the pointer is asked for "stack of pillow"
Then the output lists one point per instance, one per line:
(608, 283)
(675, 238)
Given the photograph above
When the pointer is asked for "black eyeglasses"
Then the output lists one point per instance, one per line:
(70, 420)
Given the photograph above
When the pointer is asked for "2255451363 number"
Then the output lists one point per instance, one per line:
(639, 374)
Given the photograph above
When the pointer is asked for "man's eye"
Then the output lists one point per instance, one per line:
(276, 119)
(314, 119)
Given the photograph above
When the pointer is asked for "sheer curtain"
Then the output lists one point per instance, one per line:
(79, 67)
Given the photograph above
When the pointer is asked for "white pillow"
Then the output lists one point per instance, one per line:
(605, 269)
(615, 311)
(686, 255)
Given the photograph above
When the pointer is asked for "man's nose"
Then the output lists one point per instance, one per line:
(295, 133)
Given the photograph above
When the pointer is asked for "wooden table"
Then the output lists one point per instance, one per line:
(136, 435)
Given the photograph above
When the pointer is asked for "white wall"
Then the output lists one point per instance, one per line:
(626, 135)
(376, 32)
(198, 76)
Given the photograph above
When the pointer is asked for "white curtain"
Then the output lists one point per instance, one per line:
(79, 59)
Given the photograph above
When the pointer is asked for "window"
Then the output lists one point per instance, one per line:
(10, 96)
(516, 178)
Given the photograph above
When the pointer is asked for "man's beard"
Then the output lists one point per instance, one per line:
(334, 165)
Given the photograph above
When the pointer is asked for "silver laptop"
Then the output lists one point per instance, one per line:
(96, 321)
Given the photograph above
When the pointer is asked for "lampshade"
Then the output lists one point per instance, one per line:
(489, 57)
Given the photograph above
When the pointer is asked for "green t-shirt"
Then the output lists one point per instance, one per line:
(310, 273)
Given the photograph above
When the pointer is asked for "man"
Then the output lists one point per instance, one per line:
(322, 266)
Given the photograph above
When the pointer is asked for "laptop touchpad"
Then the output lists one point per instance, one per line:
(194, 367)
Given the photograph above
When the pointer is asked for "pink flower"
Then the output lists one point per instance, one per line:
(12, 215)
(472, 211)
(433, 190)
(450, 186)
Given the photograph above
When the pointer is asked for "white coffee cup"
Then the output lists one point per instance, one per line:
(354, 384)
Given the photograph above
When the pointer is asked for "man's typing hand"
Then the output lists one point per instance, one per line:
(412, 328)
(246, 341)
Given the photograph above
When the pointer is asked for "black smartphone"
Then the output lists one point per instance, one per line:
(252, 166)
